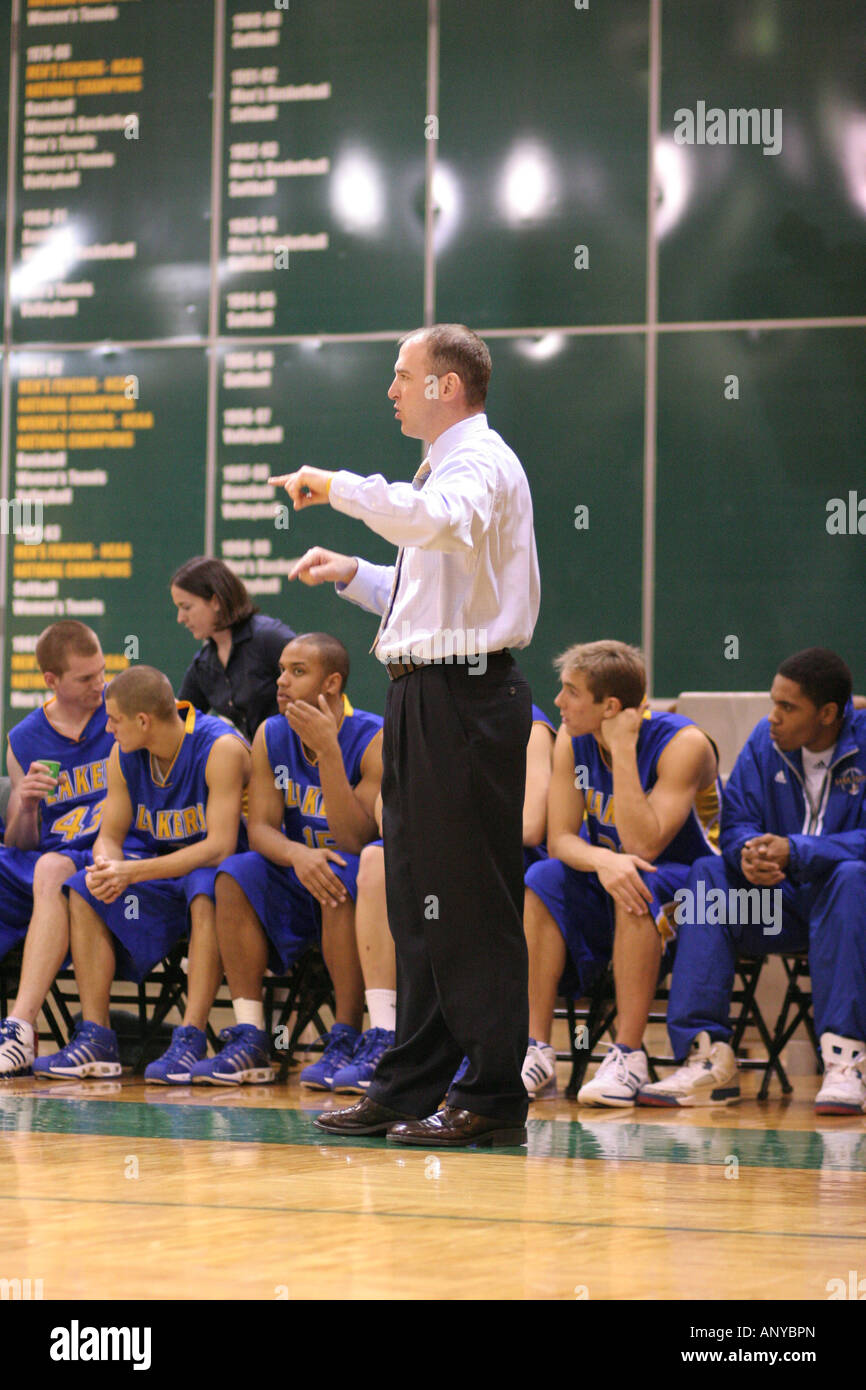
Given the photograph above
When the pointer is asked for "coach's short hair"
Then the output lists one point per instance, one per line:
(332, 654)
(208, 578)
(611, 669)
(452, 347)
(143, 690)
(822, 676)
(58, 642)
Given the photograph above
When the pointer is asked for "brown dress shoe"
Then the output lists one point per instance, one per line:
(366, 1117)
(454, 1129)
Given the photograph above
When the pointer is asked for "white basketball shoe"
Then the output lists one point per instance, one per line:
(539, 1071)
(618, 1079)
(843, 1090)
(707, 1077)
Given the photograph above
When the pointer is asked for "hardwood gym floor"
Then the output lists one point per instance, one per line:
(116, 1190)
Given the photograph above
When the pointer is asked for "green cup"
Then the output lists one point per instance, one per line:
(52, 765)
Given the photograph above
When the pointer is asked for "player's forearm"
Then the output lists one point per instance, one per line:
(534, 822)
(577, 853)
(636, 822)
(108, 847)
(22, 827)
(349, 822)
(272, 844)
(206, 854)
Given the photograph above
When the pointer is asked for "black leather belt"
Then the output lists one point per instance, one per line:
(398, 669)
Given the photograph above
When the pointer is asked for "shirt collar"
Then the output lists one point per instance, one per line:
(455, 435)
(240, 633)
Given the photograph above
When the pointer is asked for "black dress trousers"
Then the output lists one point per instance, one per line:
(453, 786)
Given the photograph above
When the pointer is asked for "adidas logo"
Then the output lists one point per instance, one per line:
(780, 777)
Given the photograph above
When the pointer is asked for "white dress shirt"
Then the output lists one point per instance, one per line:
(468, 576)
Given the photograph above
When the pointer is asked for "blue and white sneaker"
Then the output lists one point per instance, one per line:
(619, 1078)
(188, 1046)
(539, 1070)
(17, 1048)
(91, 1051)
(339, 1050)
(359, 1072)
(245, 1059)
(708, 1076)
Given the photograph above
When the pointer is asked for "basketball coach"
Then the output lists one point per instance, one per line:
(463, 593)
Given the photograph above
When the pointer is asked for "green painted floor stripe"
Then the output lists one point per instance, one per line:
(605, 1138)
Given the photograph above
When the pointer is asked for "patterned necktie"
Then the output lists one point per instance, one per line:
(417, 482)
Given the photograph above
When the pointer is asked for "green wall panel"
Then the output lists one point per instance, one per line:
(145, 186)
(572, 409)
(5, 53)
(542, 147)
(749, 235)
(322, 404)
(122, 506)
(360, 129)
(742, 543)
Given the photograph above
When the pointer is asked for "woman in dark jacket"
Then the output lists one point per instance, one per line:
(235, 673)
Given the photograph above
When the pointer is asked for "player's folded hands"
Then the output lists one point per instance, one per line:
(107, 878)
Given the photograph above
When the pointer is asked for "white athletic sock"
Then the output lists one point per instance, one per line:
(382, 1005)
(28, 1028)
(250, 1011)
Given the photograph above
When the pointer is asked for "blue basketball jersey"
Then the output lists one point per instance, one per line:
(539, 717)
(169, 813)
(697, 837)
(305, 816)
(70, 817)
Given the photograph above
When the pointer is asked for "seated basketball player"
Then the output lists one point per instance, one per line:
(51, 821)
(375, 942)
(317, 769)
(793, 878)
(646, 784)
(175, 780)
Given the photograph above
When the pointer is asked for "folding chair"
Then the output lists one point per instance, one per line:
(587, 1024)
(596, 1018)
(163, 988)
(54, 1010)
(796, 1009)
(309, 990)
